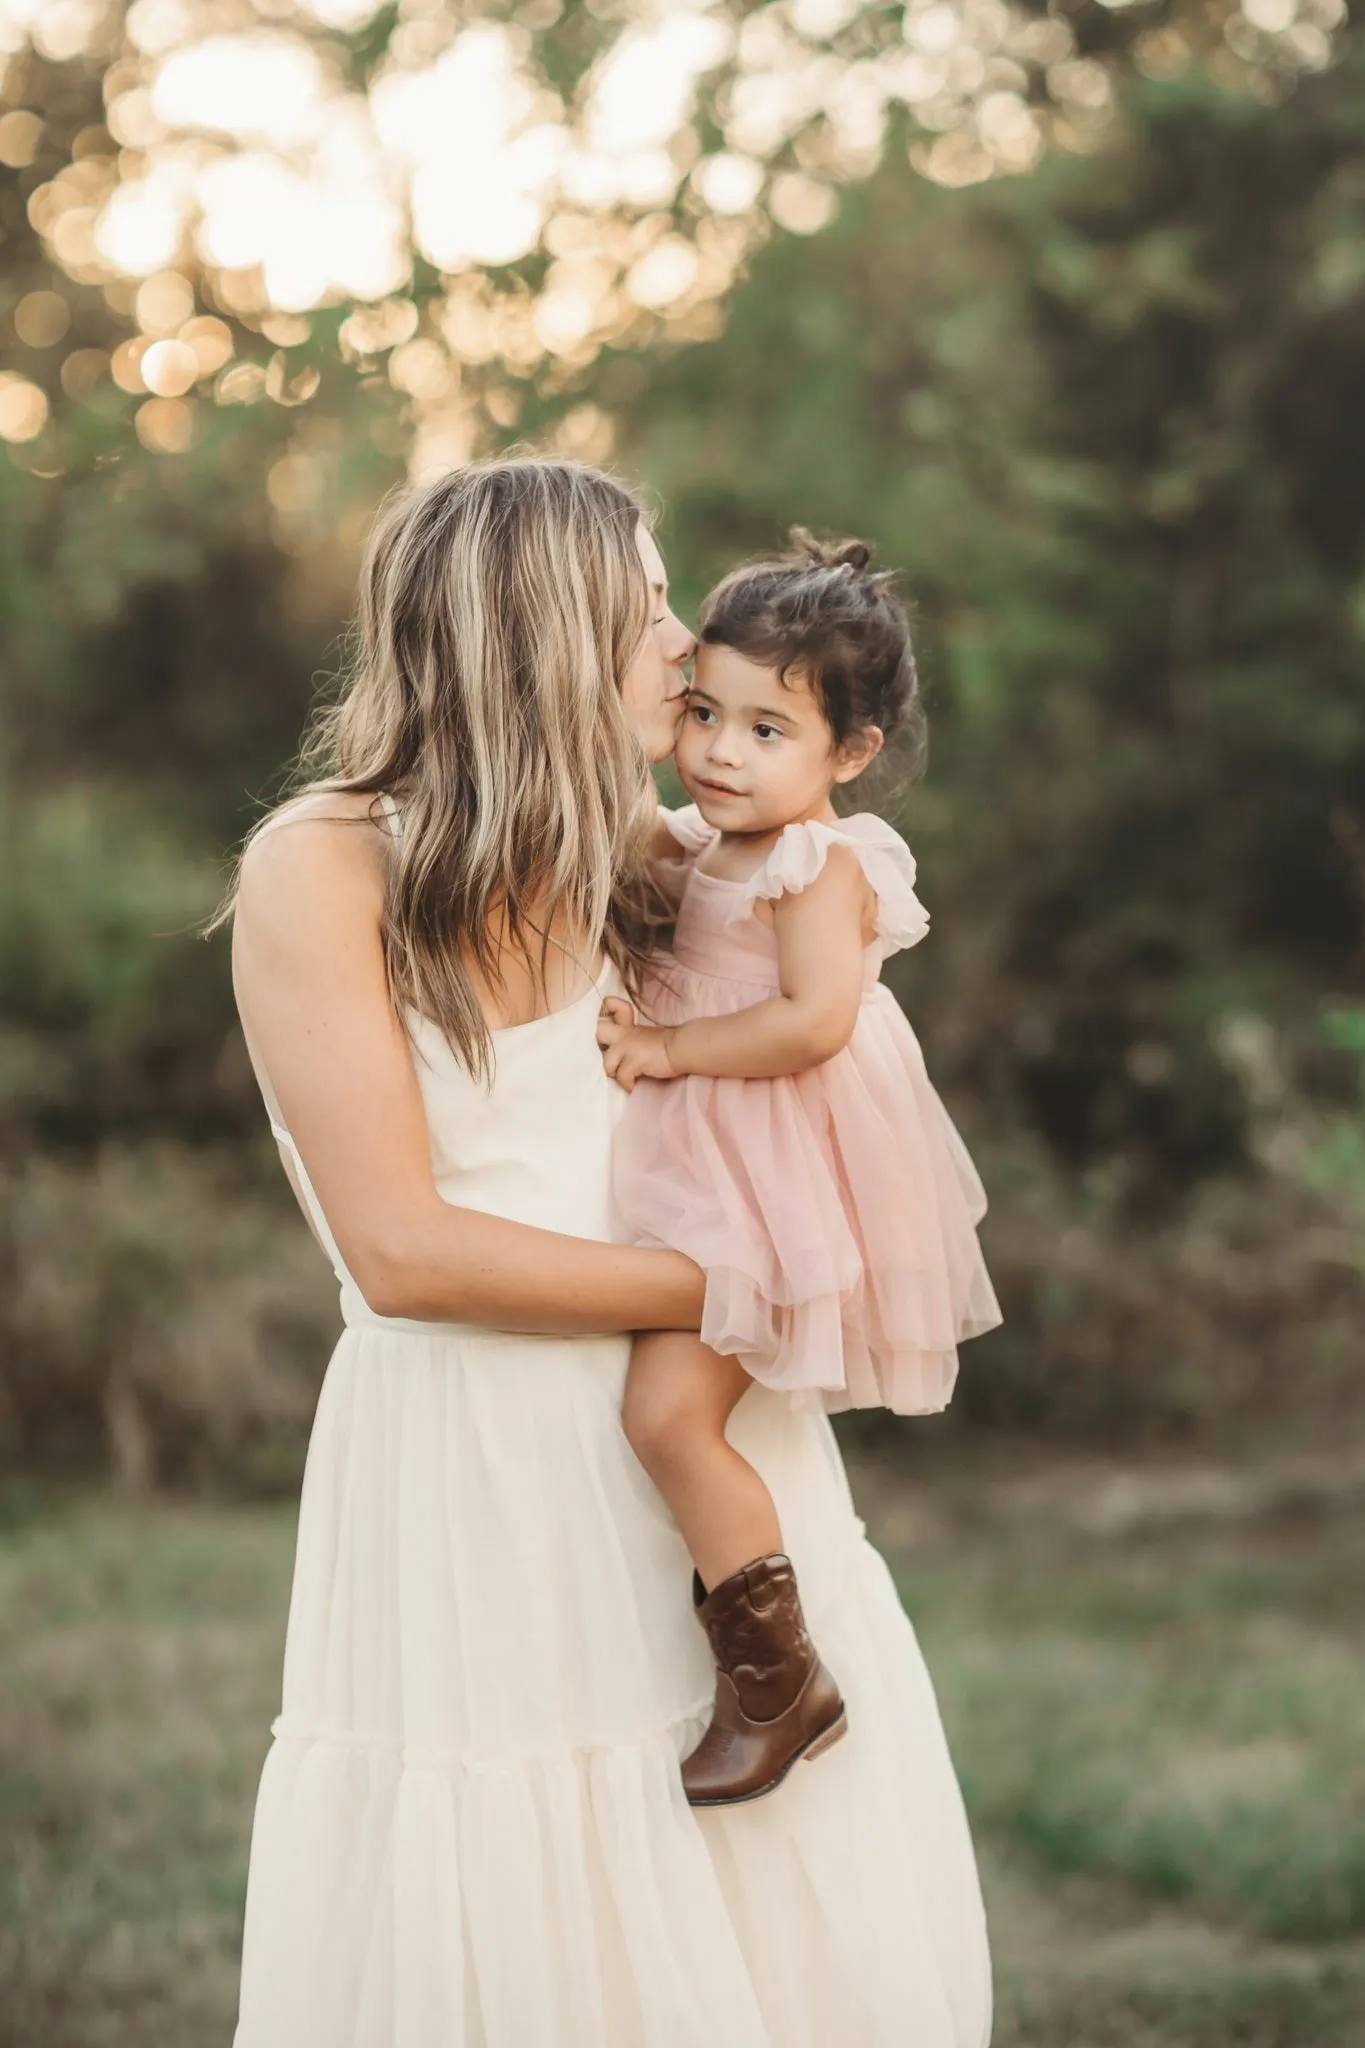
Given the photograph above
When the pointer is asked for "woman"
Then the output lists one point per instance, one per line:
(471, 1831)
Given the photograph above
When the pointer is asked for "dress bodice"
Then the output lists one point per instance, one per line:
(533, 1145)
(717, 933)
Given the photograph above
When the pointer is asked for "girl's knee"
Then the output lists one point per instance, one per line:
(664, 1426)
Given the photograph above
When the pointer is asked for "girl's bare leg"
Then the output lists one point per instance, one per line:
(679, 1396)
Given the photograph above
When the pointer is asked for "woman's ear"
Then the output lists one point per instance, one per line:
(859, 752)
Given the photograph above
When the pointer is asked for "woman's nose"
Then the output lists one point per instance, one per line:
(680, 646)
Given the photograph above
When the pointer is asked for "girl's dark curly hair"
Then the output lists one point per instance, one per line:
(822, 613)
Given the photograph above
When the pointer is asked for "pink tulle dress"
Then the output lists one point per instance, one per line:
(833, 1212)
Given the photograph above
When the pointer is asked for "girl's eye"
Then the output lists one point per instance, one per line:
(701, 712)
(767, 732)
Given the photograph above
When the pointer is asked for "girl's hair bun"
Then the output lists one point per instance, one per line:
(821, 613)
(830, 554)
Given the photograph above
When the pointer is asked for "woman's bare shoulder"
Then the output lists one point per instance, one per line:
(328, 847)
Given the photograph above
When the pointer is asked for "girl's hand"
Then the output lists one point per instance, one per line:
(632, 1051)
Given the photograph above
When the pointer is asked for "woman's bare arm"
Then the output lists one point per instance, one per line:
(820, 938)
(309, 973)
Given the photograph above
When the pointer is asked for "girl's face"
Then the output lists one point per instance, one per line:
(654, 688)
(754, 752)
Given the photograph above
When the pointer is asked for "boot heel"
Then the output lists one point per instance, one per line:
(835, 1732)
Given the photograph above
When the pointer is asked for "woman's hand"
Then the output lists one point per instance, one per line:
(632, 1051)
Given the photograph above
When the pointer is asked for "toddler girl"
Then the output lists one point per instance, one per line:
(787, 1136)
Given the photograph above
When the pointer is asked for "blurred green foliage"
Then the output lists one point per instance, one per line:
(1110, 420)
(1336, 1162)
(1107, 419)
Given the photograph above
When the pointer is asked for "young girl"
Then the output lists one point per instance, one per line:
(788, 1138)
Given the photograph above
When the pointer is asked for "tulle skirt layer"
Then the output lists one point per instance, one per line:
(470, 1831)
(834, 1212)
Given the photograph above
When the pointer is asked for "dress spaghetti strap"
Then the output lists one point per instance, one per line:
(393, 816)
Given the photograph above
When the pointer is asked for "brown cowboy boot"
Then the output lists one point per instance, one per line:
(775, 1701)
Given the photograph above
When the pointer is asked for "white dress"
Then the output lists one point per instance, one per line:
(470, 1831)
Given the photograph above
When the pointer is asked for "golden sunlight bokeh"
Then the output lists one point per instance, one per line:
(249, 171)
(23, 408)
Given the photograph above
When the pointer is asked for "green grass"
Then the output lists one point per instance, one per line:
(1161, 1737)
(141, 1658)
(1159, 1734)
(1214, 1752)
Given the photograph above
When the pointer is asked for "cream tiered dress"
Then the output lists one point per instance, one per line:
(470, 1831)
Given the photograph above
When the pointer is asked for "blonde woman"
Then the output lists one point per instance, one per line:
(471, 1829)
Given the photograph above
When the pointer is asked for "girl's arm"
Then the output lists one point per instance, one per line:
(309, 973)
(820, 939)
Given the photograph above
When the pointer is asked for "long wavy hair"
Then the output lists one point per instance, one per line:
(500, 606)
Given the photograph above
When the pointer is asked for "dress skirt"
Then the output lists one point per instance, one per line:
(471, 1832)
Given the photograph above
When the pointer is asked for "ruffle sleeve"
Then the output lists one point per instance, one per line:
(690, 830)
(800, 855)
(689, 835)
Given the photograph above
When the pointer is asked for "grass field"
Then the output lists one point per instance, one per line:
(1152, 1681)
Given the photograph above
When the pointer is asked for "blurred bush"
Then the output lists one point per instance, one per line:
(1240, 1314)
(161, 1321)
(112, 1011)
(1106, 419)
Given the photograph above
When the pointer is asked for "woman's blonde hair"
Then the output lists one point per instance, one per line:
(500, 606)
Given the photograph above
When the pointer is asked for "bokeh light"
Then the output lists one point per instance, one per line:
(19, 136)
(164, 303)
(169, 368)
(141, 227)
(211, 341)
(728, 183)
(84, 371)
(41, 319)
(243, 384)
(250, 167)
(257, 88)
(800, 204)
(165, 425)
(23, 408)
(126, 363)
